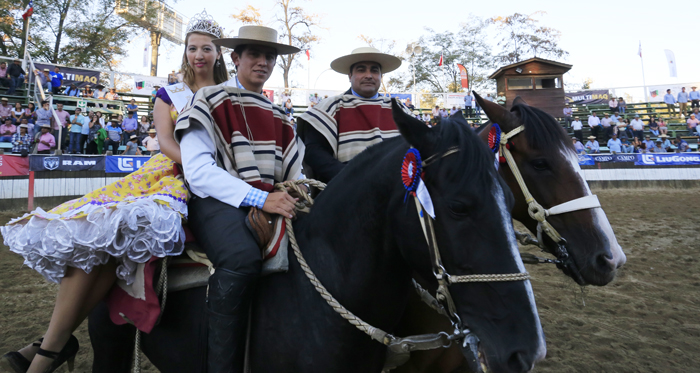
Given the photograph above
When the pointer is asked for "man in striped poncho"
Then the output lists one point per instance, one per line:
(340, 127)
(235, 146)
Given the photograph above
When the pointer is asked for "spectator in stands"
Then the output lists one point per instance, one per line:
(666, 144)
(696, 111)
(692, 124)
(114, 136)
(77, 121)
(44, 80)
(477, 108)
(314, 99)
(46, 140)
(612, 104)
(87, 123)
(444, 113)
(100, 139)
(658, 147)
(4, 79)
(436, 111)
(501, 99)
(16, 112)
(622, 130)
(89, 92)
(568, 111)
(56, 80)
(7, 130)
(468, 104)
(288, 107)
(648, 142)
(180, 76)
(578, 146)
(670, 103)
(144, 126)
(615, 145)
(98, 114)
(112, 95)
(72, 90)
(694, 97)
(639, 147)
(615, 118)
(132, 107)
(154, 92)
(129, 126)
(592, 146)
(43, 117)
(594, 123)
(5, 109)
(682, 101)
(93, 129)
(637, 127)
(627, 147)
(16, 74)
(172, 78)
(29, 114)
(453, 110)
(653, 126)
(488, 97)
(64, 119)
(681, 145)
(663, 128)
(578, 128)
(606, 123)
(425, 118)
(409, 104)
(621, 105)
(22, 140)
(132, 147)
(151, 142)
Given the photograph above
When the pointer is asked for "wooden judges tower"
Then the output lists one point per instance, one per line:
(536, 80)
(156, 17)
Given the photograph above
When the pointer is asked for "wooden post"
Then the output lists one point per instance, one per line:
(155, 43)
(30, 199)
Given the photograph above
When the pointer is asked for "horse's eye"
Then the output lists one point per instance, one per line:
(459, 208)
(540, 164)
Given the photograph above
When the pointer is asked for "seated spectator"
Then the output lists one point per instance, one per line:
(663, 128)
(16, 112)
(151, 142)
(637, 127)
(627, 147)
(614, 118)
(129, 126)
(89, 92)
(578, 146)
(621, 105)
(444, 113)
(615, 145)
(612, 104)
(29, 113)
(642, 147)
(453, 110)
(22, 140)
(637, 145)
(658, 148)
(16, 75)
(592, 146)
(288, 107)
(666, 144)
(4, 79)
(132, 107)
(46, 140)
(5, 109)
(30, 127)
(653, 126)
(7, 130)
(425, 118)
(409, 104)
(648, 142)
(681, 145)
(692, 123)
(172, 78)
(44, 80)
(577, 126)
(132, 146)
(112, 95)
(114, 136)
(72, 90)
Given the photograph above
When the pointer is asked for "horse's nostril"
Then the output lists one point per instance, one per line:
(604, 262)
(518, 362)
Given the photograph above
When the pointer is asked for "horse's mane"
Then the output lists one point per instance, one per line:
(542, 131)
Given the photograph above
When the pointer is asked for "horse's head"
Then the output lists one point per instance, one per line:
(548, 163)
(474, 235)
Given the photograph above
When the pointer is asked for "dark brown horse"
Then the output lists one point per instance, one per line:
(546, 159)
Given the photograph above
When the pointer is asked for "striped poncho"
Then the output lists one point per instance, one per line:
(264, 153)
(351, 124)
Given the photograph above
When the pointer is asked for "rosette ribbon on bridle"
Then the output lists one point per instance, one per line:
(495, 143)
(412, 178)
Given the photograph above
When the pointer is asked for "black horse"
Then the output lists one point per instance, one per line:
(364, 240)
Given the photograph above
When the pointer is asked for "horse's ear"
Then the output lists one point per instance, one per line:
(519, 101)
(495, 112)
(413, 130)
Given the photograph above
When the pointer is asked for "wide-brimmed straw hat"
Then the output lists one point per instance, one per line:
(23, 126)
(257, 35)
(388, 62)
(132, 137)
(152, 130)
(663, 135)
(46, 126)
(591, 137)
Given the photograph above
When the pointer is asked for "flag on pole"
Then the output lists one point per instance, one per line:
(671, 59)
(308, 55)
(640, 50)
(28, 11)
(463, 75)
(440, 61)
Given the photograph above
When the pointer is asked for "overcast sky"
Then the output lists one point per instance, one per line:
(602, 37)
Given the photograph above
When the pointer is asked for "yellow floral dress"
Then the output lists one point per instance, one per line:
(132, 220)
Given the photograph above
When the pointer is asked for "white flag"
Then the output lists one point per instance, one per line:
(671, 59)
(145, 52)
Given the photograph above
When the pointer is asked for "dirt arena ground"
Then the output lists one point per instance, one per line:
(647, 320)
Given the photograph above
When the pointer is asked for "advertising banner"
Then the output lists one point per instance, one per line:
(657, 92)
(599, 96)
(670, 159)
(71, 75)
(455, 99)
(13, 165)
(463, 76)
(144, 84)
(124, 164)
(66, 163)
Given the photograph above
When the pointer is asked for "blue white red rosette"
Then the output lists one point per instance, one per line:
(411, 170)
(494, 137)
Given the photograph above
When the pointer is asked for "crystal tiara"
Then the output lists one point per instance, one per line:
(204, 23)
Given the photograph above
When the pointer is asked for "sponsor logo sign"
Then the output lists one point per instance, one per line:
(66, 163)
(121, 164)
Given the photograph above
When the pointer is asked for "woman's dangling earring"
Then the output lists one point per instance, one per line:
(218, 63)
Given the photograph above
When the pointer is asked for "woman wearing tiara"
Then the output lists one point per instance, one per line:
(88, 243)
